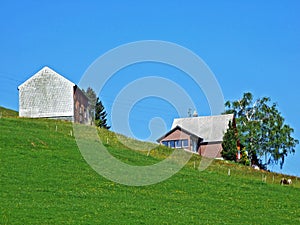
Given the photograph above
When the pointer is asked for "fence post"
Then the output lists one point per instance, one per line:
(263, 178)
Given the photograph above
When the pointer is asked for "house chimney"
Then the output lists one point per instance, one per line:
(195, 114)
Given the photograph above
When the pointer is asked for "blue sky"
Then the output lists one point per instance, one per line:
(249, 45)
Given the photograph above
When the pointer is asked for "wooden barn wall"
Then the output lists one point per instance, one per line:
(46, 95)
(81, 113)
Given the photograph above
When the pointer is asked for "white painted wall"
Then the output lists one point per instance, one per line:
(46, 94)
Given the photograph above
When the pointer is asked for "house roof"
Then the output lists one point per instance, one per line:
(209, 128)
(45, 71)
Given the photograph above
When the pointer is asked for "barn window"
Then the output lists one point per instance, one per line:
(85, 114)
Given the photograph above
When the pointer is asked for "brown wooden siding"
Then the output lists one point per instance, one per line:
(210, 150)
(178, 135)
(81, 114)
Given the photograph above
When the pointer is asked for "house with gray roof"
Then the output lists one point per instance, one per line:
(198, 134)
(48, 94)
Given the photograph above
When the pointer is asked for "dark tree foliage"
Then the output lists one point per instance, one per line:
(261, 129)
(229, 143)
(100, 115)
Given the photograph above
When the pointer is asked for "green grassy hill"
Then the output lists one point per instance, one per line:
(45, 180)
(4, 112)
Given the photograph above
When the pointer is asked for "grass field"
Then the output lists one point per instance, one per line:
(7, 112)
(45, 180)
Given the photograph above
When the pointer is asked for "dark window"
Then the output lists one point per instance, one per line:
(185, 143)
(165, 143)
(172, 144)
(178, 144)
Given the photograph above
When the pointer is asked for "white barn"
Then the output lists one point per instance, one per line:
(47, 94)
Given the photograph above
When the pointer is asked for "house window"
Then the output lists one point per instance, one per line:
(185, 143)
(178, 144)
(165, 143)
(172, 144)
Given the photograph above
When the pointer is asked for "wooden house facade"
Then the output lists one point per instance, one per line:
(201, 134)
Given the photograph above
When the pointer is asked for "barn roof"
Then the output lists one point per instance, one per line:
(45, 71)
(209, 128)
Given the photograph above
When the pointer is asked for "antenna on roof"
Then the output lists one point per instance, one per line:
(189, 112)
(195, 114)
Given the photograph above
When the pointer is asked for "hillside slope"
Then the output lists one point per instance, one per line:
(4, 112)
(45, 180)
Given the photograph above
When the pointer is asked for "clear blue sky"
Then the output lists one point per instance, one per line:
(249, 45)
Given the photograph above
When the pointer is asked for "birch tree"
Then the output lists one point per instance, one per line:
(262, 130)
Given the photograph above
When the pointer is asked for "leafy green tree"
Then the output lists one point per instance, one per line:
(244, 157)
(229, 143)
(100, 115)
(261, 129)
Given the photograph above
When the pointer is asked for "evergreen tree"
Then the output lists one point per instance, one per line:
(229, 143)
(100, 115)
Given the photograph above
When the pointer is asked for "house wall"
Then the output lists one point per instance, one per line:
(177, 135)
(46, 94)
(210, 150)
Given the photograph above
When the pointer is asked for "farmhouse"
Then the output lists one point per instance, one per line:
(198, 134)
(47, 94)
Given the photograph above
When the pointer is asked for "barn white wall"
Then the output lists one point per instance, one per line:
(46, 94)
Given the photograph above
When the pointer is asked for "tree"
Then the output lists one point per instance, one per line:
(244, 157)
(261, 129)
(229, 143)
(100, 115)
(91, 94)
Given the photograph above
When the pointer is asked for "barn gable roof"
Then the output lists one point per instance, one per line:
(46, 71)
(209, 128)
